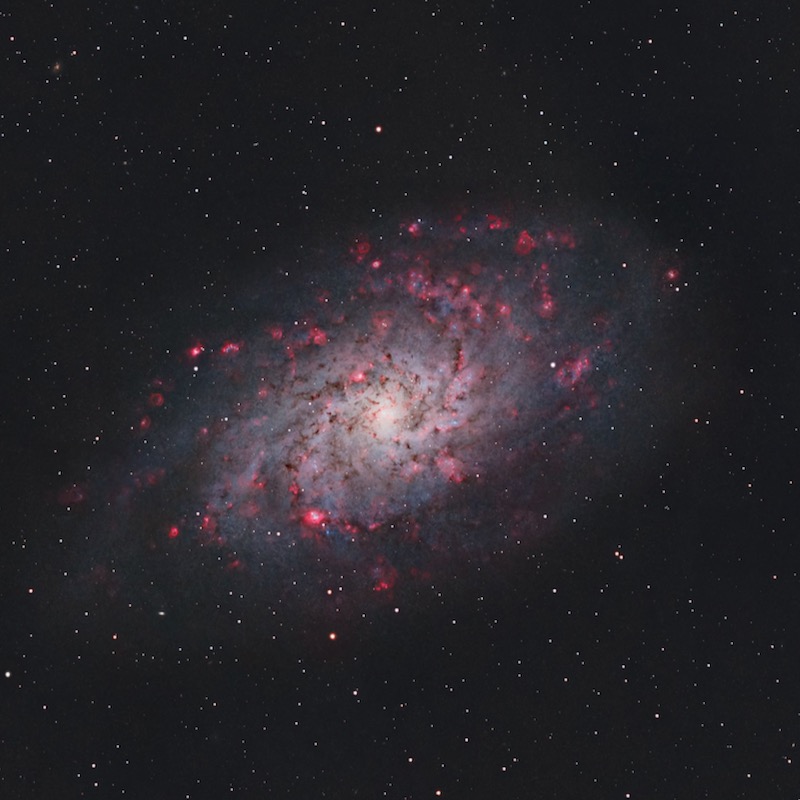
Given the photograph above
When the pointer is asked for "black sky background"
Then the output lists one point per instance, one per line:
(156, 156)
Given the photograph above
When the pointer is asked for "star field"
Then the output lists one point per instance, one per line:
(400, 400)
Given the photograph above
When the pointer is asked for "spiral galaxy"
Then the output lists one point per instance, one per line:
(434, 394)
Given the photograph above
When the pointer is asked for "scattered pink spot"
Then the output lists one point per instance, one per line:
(314, 517)
(384, 576)
(382, 320)
(525, 244)
(497, 223)
(317, 336)
(570, 372)
(450, 467)
(259, 482)
(156, 400)
(209, 531)
(195, 351)
(230, 348)
(547, 308)
(670, 279)
(545, 303)
(349, 527)
(566, 239)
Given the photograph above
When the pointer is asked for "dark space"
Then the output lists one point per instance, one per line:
(163, 164)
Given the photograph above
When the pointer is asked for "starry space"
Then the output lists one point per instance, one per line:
(400, 400)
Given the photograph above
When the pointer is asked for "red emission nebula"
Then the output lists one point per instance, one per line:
(431, 396)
